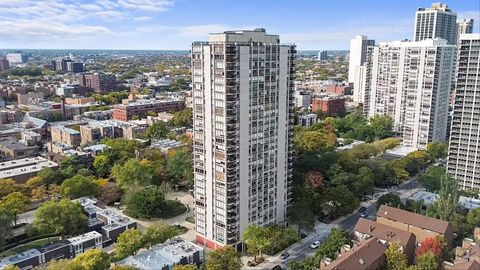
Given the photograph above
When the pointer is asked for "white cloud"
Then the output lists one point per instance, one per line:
(142, 18)
(54, 19)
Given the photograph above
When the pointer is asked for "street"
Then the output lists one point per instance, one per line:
(301, 250)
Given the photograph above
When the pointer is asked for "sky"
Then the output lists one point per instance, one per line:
(175, 24)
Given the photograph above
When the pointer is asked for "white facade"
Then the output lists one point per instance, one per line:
(410, 82)
(359, 84)
(437, 21)
(464, 148)
(358, 54)
(464, 27)
(15, 58)
(243, 111)
(303, 99)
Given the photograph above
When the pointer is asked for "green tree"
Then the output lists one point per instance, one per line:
(123, 267)
(180, 166)
(159, 233)
(122, 149)
(447, 203)
(157, 130)
(339, 201)
(8, 186)
(134, 173)
(437, 150)
(389, 199)
(50, 176)
(256, 239)
(225, 258)
(396, 259)
(129, 243)
(102, 165)
(185, 267)
(364, 182)
(64, 217)
(314, 141)
(382, 126)
(79, 186)
(15, 203)
(64, 264)
(6, 220)
(331, 246)
(427, 261)
(146, 203)
(431, 179)
(109, 194)
(300, 213)
(473, 219)
(183, 118)
(94, 259)
(11, 267)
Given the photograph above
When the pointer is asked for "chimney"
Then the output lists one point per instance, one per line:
(370, 228)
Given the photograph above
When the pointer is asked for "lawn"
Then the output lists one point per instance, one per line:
(34, 244)
(172, 209)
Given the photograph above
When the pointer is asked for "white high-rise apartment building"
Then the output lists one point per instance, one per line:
(464, 27)
(358, 54)
(410, 82)
(359, 84)
(464, 147)
(437, 21)
(243, 115)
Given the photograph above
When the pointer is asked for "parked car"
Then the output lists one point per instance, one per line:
(364, 214)
(284, 255)
(277, 267)
(315, 244)
(362, 209)
(303, 235)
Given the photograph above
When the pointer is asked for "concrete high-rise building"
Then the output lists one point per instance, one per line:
(359, 84)
(323, 55)
(358, 54)
(437, 21)
(464, 27)
(4, 64)
(243, 104)
(464, 147)
(410, 82)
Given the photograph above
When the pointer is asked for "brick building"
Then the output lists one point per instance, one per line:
(366, 229)
(125, 112)
(99, 83)
(421, 226)
(333, 105)
(65, 135)
(339, 89)
(367, 255)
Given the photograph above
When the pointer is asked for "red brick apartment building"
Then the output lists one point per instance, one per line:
(125, 112)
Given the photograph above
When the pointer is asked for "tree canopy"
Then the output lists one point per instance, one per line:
(225, 258)
(64, 217)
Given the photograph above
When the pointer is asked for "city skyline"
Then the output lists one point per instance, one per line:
(173, 24)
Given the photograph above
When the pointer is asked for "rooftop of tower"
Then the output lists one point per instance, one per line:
(256, 35)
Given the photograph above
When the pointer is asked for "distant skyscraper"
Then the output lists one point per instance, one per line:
(243, 115)
(4, 64)
(464, 148)
(464, 27)
(437, 21)
(410, 81)
(358, 54)
(323, 55)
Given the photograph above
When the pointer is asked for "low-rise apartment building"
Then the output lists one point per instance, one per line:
(333, 105)
(367, 255)
(65, 135)
(11, 148)
(421, 226)
(366, 229)
(23, 169)
(141, 107)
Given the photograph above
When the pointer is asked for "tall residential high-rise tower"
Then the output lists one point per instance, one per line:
(464, 147)
(243, 115)
(437, 21)
(410, 82)
(358, 54)
(464, 27)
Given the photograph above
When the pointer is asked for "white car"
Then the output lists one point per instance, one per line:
(315, 244)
